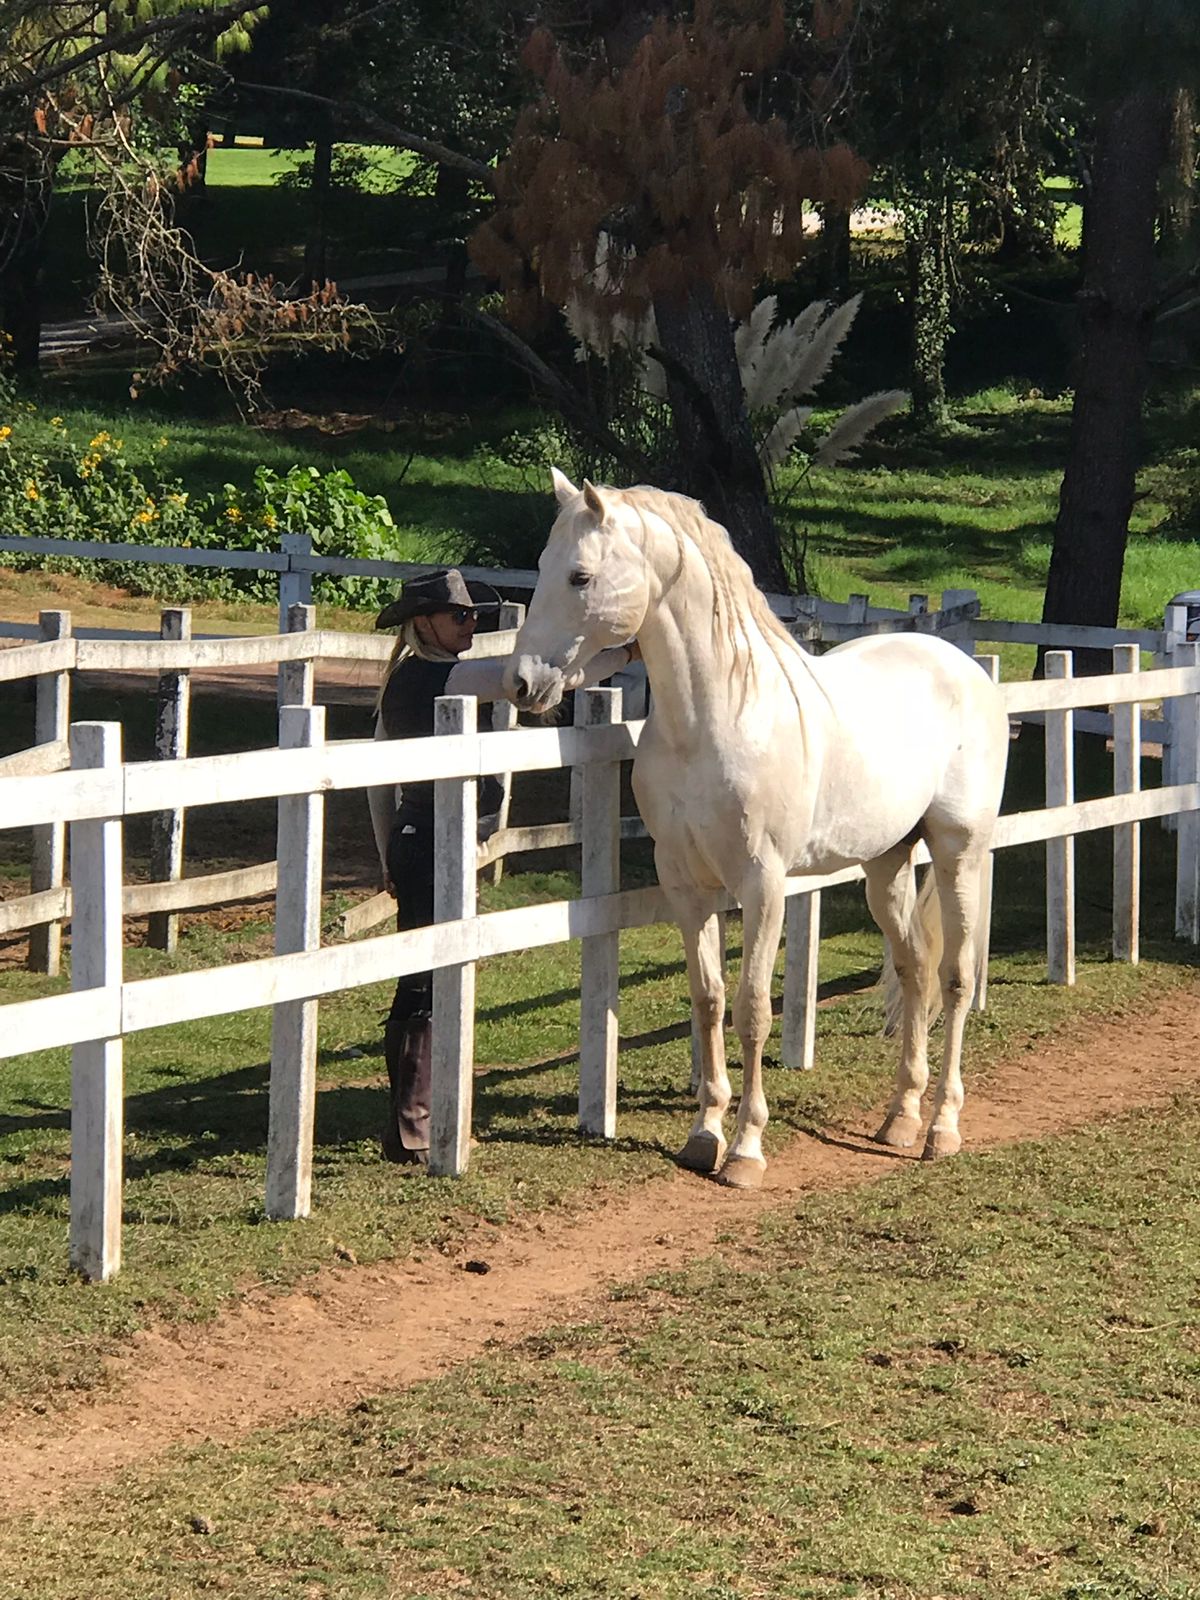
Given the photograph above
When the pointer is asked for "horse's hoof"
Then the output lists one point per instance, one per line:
(742, 1172)
(899, 1132)
(941, 1142)
(703, 1152)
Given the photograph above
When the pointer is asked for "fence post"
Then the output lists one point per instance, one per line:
(918, 605)
(293, 1086)
(991, 665)
(170, 744)
(1127, 842)
(802, 948)
(52, 716)
(1187, 770)
(504, 719)
(960, 597)
(97, 1065)
(454, 896)
(1060, 853)
(295, 588)
(856, 607)
(600, 956)
(1175, 624)
(297, 679)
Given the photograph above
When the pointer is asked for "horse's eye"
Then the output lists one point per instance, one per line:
(580, 580)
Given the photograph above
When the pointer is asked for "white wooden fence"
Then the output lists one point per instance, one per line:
(103, 1006)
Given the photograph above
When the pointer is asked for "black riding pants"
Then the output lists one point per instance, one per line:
(410, 867)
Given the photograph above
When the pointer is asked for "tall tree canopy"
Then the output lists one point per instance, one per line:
(661, 148)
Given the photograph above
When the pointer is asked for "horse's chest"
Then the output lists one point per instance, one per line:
(699, 801)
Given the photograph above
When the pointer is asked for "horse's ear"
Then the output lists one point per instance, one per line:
(564, 490)
(594, 501)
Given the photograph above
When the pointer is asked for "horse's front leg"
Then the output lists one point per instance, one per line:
(762, 924)
(892, 903)
(959, 882)
(699, 922)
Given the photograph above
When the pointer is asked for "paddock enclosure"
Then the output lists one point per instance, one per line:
(73, 781)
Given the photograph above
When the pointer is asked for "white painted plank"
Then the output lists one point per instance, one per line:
(802, 948)
(297, 679)
(293, 1084)
(170, 744)
(1127, 779)
(600, 956)
(1186, 769)
(37, 759)
(454, 899)
(33, 910)
(983, 927)
(1060, 851)
(38, 660)
(97, 1093)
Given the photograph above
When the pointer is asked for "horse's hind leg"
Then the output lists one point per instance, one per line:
(891, 899)
(696, 913)
(959, 878)
(762, 924)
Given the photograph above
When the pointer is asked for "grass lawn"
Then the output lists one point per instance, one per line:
(196, 1106)
(971, 1380)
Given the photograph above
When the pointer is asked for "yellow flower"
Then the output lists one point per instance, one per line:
(5, 432)
(269, 519)
(100, 439)
(145, 516)
(31, 492)
(56, 422)
(177, 499)
(163, 442)
(233, 514)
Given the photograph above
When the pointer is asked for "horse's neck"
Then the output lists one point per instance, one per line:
(697, 661)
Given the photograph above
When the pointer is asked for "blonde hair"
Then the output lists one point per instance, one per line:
(410, 642)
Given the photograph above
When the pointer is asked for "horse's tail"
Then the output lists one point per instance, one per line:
(927, 914)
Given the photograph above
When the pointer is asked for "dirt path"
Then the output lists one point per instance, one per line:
(356, 1331)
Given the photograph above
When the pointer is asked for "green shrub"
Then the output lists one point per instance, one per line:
(57, 488)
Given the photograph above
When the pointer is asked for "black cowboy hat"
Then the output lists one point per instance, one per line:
(438, 591)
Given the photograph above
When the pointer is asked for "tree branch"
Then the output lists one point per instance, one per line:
(568, 400)
(176, 27)
(387, 131)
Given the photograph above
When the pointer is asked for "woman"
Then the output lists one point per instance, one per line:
(437, 614)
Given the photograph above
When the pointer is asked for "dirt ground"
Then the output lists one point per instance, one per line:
(355, 1331)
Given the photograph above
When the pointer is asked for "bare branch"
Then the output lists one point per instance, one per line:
(388, 131)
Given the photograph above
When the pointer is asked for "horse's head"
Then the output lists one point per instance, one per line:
(592, 593)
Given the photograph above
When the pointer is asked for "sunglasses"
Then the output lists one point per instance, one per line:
(463, 614)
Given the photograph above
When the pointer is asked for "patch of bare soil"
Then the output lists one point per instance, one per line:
(354, 1331)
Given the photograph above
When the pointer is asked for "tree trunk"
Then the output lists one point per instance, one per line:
(1112, 365)
(1179, 188)
(26, 193)
(833, 252)
(452, 191)
(316, 251)
(928, 249)
(717, 461)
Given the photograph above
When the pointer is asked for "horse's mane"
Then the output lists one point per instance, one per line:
(737, 598)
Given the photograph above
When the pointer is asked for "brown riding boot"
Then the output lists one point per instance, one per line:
(407, 1048)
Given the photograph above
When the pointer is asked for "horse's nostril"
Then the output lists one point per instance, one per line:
(520, 686)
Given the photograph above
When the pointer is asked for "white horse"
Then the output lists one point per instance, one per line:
(758, 760)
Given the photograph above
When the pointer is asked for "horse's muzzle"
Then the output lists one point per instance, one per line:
(534, 685)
